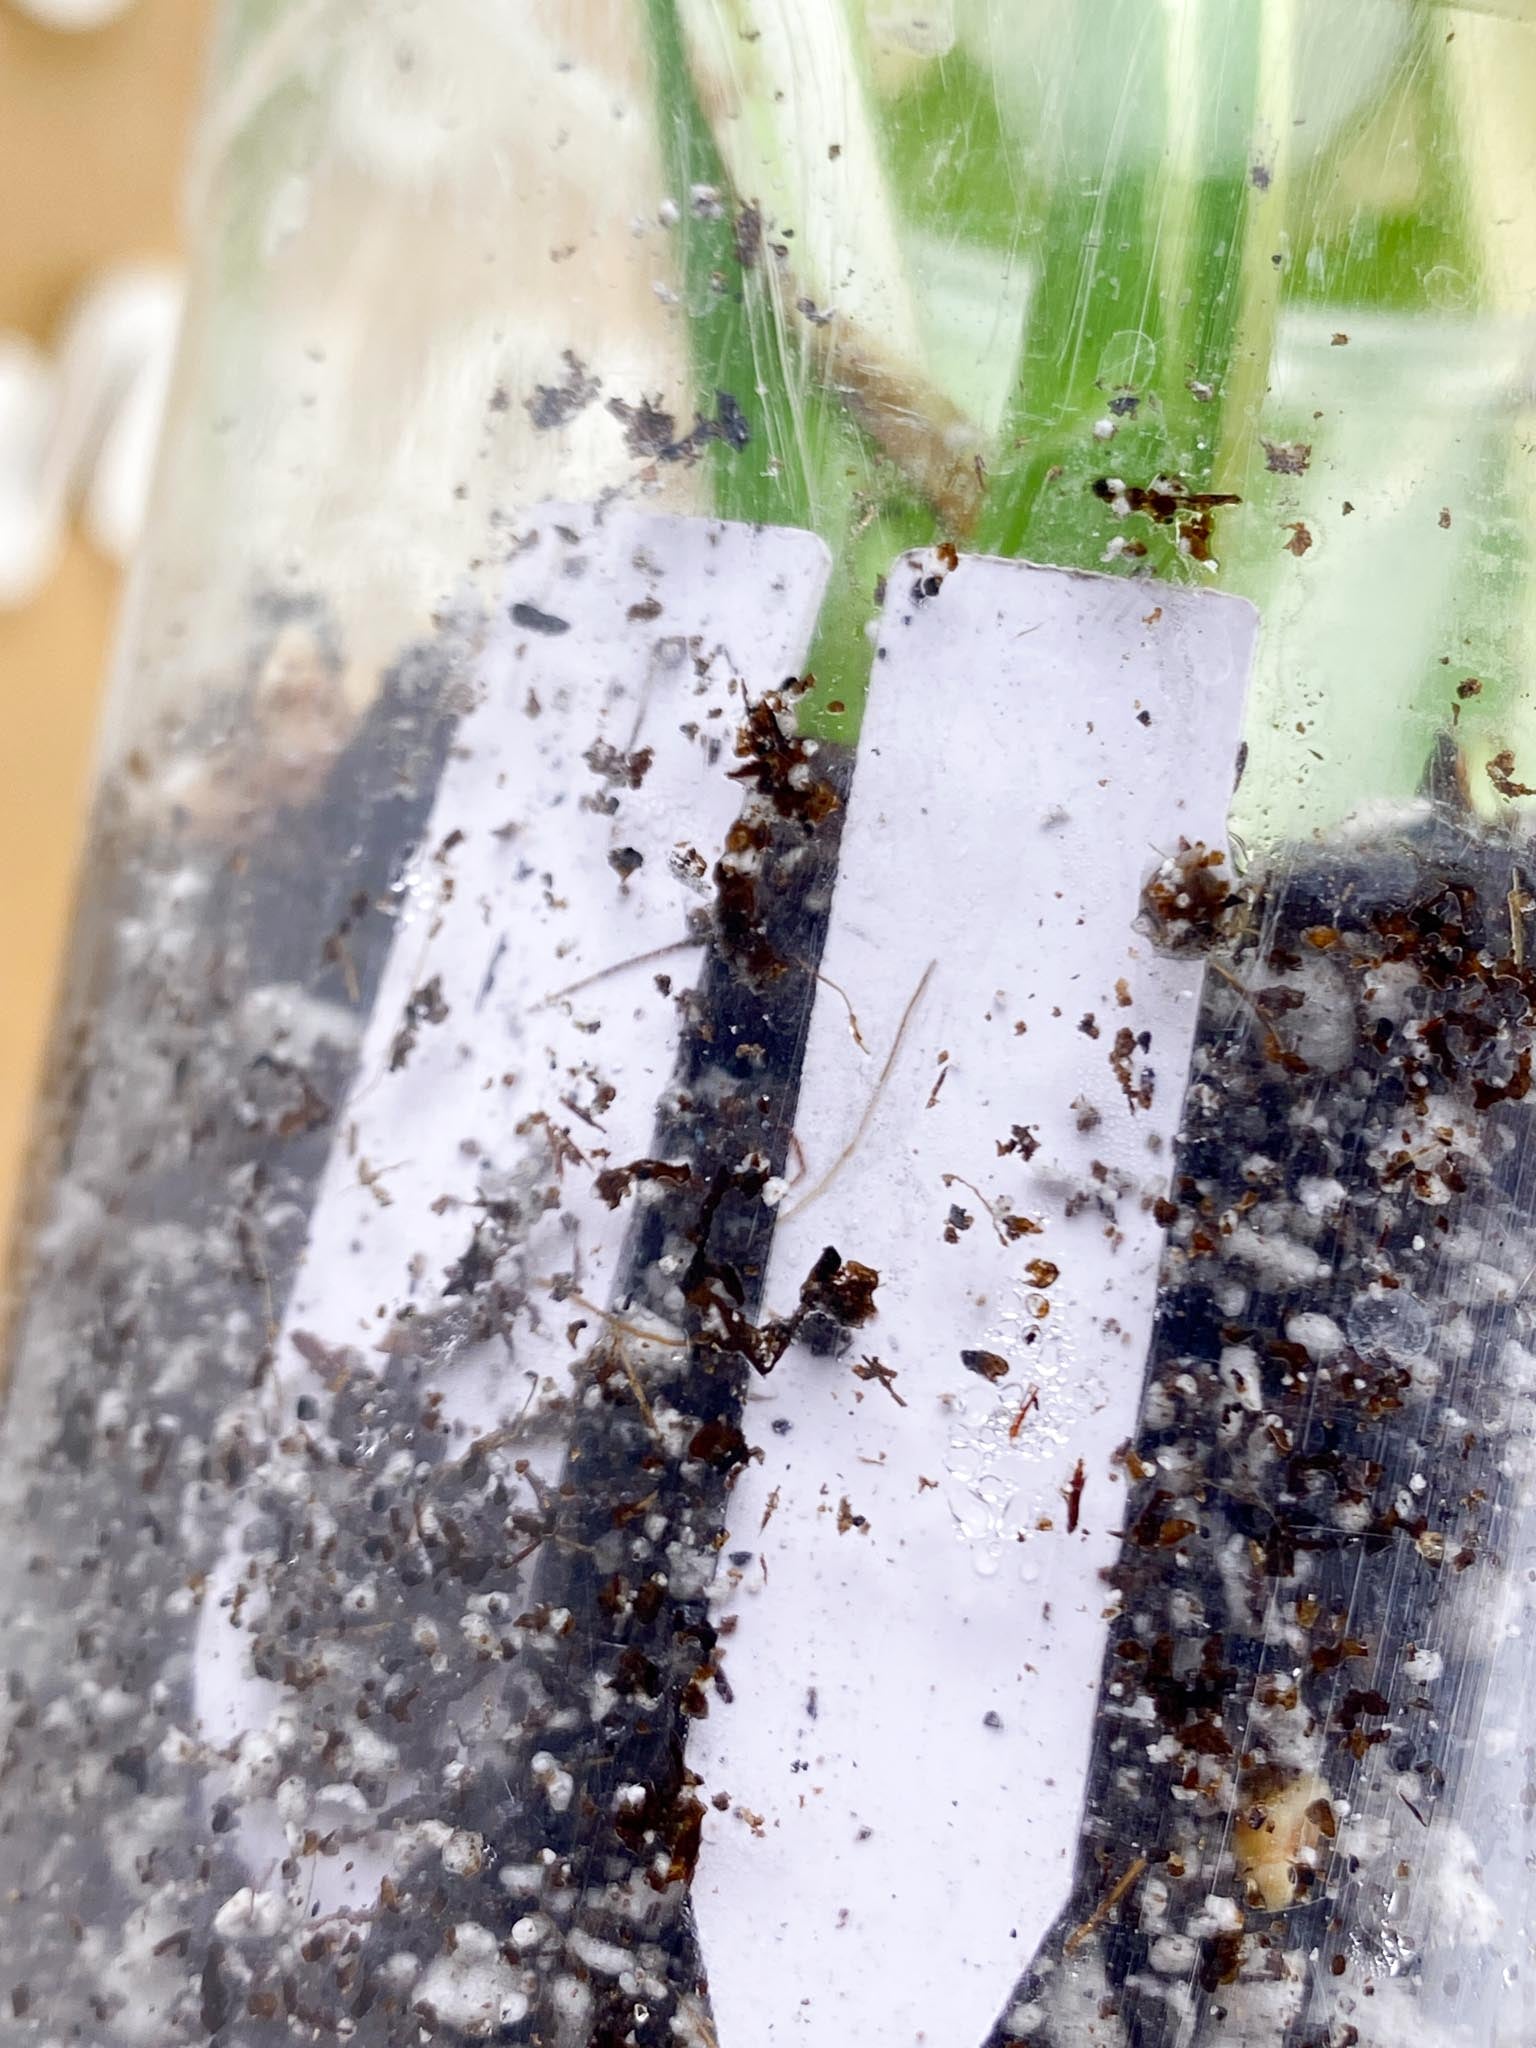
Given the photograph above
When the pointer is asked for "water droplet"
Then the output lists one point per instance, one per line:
(1447, 287)
(1397, 1324)
(1128, 361)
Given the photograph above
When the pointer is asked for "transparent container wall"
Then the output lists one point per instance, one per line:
(426, 249)
(778, 1285)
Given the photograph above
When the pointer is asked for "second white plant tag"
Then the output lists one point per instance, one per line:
(991, 1089)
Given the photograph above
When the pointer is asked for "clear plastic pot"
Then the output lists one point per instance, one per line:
(778, 1281)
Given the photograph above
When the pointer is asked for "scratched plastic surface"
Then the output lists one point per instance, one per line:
(778, 1283)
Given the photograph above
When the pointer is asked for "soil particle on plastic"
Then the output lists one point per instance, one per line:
(1294, 1689)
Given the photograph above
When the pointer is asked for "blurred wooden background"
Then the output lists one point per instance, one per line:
(93, 129)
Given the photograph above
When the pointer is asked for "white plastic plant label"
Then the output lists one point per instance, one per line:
(525, 1027)
(555, 916)
(915, 1563)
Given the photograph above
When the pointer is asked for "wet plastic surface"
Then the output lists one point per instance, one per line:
(411, 1583)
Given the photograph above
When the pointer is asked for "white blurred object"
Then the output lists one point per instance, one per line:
(73, 14)
(78, 429)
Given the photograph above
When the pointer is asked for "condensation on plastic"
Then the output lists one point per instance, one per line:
(412, 222)
(404, 218)
(1228, 293)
